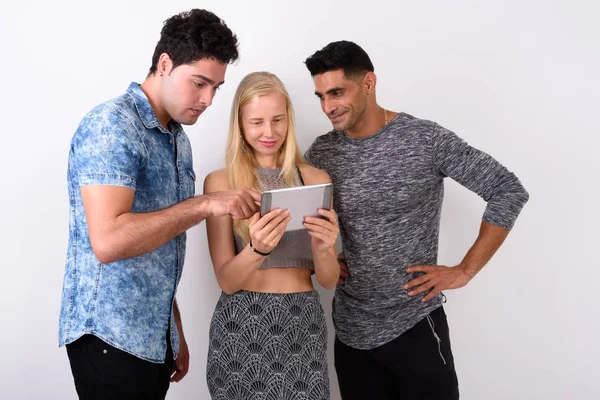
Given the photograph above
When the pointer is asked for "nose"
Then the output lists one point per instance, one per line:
(328, 106)
(206, 96)
(268, 130)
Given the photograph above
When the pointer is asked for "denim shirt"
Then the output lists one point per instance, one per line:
(127, 303)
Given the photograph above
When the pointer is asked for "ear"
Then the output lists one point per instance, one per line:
(369, 82)
(165, 64)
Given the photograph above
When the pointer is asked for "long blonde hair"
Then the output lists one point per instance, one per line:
(241, 165)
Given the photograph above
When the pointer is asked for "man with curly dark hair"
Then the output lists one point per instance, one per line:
(131, 190)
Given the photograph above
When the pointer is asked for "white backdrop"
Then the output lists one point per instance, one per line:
(518, 79)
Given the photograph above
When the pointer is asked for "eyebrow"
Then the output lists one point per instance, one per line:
(260, 118)
(330, 91)
(208, 80)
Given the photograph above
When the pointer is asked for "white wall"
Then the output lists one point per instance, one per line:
(518, 79)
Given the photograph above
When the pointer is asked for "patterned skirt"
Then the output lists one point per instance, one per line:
(268, 346)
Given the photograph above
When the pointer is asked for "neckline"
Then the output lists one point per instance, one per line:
(373, 135)
(268, 170)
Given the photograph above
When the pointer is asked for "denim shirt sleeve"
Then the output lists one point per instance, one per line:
(107, 151)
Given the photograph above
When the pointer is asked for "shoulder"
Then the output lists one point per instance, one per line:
(113, 117)
(216, 181)
(120, 108)
(430, 131)
(314, 176)
(411, 132)
(404, 120)
(326, 140)
(320, 150)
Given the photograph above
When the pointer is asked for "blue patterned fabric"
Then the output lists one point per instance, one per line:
(127, 303)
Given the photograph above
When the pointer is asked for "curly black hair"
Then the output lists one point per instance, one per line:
(344, 55)
(193, 35)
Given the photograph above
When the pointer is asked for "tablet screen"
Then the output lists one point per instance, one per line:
(301, 201)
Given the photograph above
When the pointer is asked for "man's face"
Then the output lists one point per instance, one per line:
(188, 90)
(342, 100)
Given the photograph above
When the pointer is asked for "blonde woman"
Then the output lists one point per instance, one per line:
(268, 338)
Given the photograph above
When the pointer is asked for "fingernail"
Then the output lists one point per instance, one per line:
(411, 293)
(405, 286)
(407, 269)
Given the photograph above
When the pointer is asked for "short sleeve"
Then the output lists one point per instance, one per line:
(106, 150)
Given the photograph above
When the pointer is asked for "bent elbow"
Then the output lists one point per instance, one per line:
(518, 193)
(525, 196)
(227, 287)
(104, 251)
(328, 283)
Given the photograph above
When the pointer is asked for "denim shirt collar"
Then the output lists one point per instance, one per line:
(146, 112)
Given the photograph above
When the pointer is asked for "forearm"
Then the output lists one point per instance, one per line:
(235, 274)
(488, 242)
(177, 315)
(132, 234)
(327, 269)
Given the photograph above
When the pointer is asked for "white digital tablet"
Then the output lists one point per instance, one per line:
(301, 201)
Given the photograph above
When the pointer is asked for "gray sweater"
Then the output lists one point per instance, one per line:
(388, 191)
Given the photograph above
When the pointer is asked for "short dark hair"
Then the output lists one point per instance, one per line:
(344, 55)
(193, 35)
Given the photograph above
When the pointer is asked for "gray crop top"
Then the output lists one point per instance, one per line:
(294, 249)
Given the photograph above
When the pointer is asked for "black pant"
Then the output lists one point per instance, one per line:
(102, 371)
(410, 367)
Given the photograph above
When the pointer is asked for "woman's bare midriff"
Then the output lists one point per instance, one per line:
(281, 280)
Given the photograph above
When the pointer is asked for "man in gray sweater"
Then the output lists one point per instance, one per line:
(387, 168)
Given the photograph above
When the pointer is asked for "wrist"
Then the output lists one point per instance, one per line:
(180, 329)
(258, 251)
(321, 253)
(203, 203)
(467, 270)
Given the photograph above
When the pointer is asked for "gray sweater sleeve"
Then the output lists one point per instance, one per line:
(480, 173)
